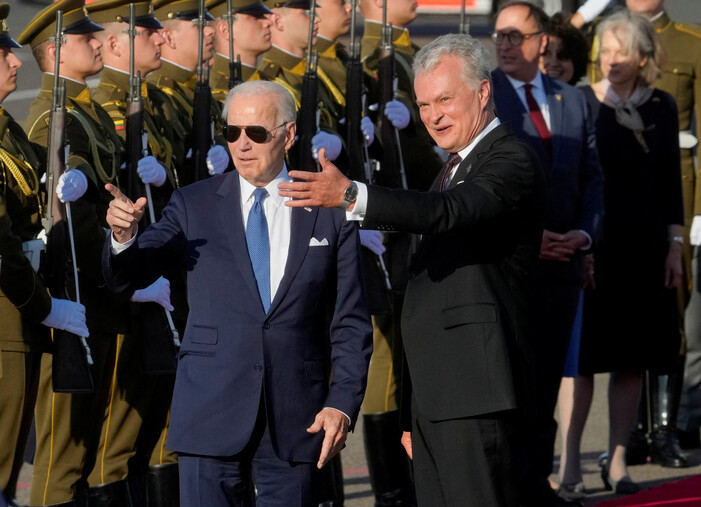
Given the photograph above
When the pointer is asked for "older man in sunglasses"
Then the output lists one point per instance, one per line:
(276, 303)
(552, 117)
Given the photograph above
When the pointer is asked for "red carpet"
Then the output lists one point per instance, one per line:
(684, 493)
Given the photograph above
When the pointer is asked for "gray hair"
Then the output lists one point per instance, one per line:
(286, 110)
(475, 59)
(638, 36)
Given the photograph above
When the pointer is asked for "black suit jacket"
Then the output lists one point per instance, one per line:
(468, 311)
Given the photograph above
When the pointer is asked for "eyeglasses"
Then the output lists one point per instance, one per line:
(255, 133)
(516, 38)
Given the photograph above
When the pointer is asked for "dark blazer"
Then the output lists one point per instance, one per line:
(467, 315)
(573, 172)
(232, 350)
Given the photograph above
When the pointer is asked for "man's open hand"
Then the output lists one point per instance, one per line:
(325, 188)
(335, 426)
(123, 215)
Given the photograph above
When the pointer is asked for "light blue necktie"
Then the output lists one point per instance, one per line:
(259, 245)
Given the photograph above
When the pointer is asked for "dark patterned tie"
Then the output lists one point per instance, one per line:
(453, 160)
(259, 245)
(537, 117)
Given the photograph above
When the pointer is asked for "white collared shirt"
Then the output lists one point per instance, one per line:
(279, 218)
(538, 92)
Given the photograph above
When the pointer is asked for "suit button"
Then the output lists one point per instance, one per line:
(266, 325)
(258, 367)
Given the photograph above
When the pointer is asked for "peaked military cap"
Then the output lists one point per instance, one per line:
(217, 8)
(178, 9)
(109, 11)
(5, 40)
(294, 4)
(43, 26)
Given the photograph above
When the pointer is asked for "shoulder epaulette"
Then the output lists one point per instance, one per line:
(694, 30)
(268, 69)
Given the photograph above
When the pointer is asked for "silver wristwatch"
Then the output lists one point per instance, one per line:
(350, 195)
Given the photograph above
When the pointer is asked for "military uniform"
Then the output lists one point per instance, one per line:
(68, 425)
(219, 73)
(24, 300)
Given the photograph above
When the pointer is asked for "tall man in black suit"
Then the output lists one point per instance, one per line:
(553, 118)
(467, 314)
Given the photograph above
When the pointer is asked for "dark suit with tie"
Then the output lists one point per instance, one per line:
(236, 358)
(467, 318)
(575, 202)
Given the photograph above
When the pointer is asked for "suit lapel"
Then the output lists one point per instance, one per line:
(231, 219)
(301, 230)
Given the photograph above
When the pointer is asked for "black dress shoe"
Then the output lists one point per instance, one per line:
(665, 450)
(623, 486)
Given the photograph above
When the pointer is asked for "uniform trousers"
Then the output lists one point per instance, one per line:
(68, 427)
(19, 376)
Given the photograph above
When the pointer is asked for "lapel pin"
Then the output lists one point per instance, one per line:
(559, 97)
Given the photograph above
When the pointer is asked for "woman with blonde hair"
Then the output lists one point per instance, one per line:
(630, 322)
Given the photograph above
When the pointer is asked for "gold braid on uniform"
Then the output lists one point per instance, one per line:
(95, 147)
(22, 172)
(337, 95)
(172, 93)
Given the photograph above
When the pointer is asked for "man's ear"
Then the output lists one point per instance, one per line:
(222, 29)
(277, 21)
(167, 35)
(290, 133)
(543, 43)
(111, 44)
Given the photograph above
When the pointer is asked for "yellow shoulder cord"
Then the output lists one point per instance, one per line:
(295, 93)
(179, 99)
(22, 172)
(337, 95)
(95, 147)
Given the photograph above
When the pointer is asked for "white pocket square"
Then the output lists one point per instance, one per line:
(316, 242)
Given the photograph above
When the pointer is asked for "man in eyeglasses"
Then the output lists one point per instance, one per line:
(276, 304)
(552, 118)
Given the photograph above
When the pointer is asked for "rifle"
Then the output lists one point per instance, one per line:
(202, 124)
(308, 123)
(392, 172)
(158, 336)
(235, 73)
(361, 166)
(464, 27)
(72, 358)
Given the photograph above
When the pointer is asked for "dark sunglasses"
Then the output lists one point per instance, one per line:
(515, 38)
(255, 133)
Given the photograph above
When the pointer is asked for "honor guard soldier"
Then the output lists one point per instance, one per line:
(68, 424)
(251, 38)
(139, 398)
(286, 63)
(177, 77)
(27, 311)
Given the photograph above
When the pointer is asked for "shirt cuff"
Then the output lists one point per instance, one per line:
(588, 245)
(361, 204)
(592, 8)
(117, 247)
(341, 411)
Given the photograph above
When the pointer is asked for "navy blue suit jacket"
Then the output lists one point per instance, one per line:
(232, 350)
(575, 181)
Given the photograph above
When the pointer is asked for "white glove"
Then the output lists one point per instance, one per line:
(695, 233)
(157, 292)
(217, 160)
(151, 171)
(397, 113)
(368, 129)
(71, 186)
(372, 240)
(331, 142)
(67, 315)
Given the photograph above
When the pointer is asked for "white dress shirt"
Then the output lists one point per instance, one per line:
(538, 92)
